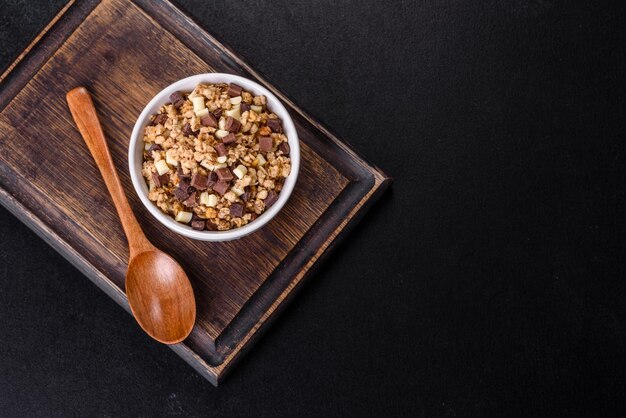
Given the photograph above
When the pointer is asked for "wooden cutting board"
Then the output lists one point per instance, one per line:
(125, 52)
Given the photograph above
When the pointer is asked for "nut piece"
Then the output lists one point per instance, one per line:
(212, 201)
(202, 112)
(204, 198)
(257, 109)
(234, 113)
(183, 217)
(206, 164)
(238, 192)
(198, 103)
(260, 160)
(170, 160)
(235, 100)
(207, 199)
(161, 167)
(240, 171)
(221, 134)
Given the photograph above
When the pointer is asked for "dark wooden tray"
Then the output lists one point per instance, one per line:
(124, 53)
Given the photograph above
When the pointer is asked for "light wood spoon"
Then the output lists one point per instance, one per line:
(159, 293)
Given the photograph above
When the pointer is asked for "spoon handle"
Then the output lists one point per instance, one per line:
(84, 114)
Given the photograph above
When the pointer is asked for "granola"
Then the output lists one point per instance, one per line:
(215, 158)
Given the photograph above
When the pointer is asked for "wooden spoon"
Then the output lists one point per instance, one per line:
(158, 290)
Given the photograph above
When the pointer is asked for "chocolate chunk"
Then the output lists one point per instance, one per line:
(160, 118)
(210, 226)
(246, 194)
(156, 180)
(234, 90)
(224, 174)
(184, 183)
(265, 143)
(154, 147)
(274, 125)
(160, 180)
(180, 194)
(199, 181)
(191, 200)
(232, 124)
(284, 148)
(244, 107)
(188, 131)
(209, 120)
(229, 139)
(212, 179)
(198, 224)
(221, 187)
(253, 216)
(236, 210)
(218, 113)
(220, 149)
(271, 198)
(177, 99)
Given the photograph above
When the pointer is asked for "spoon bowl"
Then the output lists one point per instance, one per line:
(160, 296)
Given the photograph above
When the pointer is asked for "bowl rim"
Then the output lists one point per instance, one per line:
(161, 98)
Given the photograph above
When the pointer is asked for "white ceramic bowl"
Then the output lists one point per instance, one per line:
(135, 155)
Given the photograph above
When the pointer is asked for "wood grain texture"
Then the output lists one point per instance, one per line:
(124, 53)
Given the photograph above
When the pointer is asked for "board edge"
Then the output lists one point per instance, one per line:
(36, 40)
(281, 303)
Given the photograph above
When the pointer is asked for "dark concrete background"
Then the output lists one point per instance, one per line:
(489, 281)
